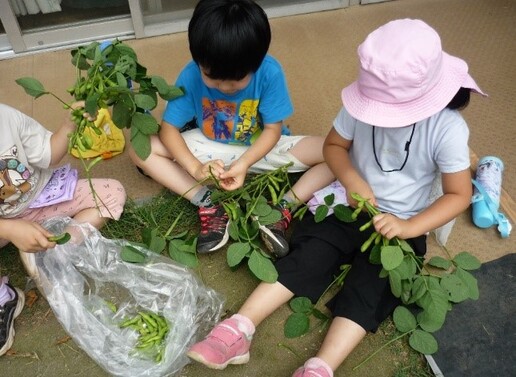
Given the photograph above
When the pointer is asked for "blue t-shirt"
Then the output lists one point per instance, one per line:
(236, 118)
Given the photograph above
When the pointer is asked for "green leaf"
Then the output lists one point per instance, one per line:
(343, 213)
(141, 143)
(262, 267)
(132, 255)
(32, 86)
(406, 291)
(403, 319)
(405, 246)
(145, 102)
(181, 252)
(329, 199)
(470, 281)
(375, 257)
(423, 342)
(233, 230)
(440, 262)
(297, 324)
(262, 209)
(391, 257)
(121, 80)
(435, 307)
(466, 261)
(419, 288)
(173, 93)
(407, 268)
(122, 114)
(157, 244)
(90, 105)
(124, 49)
(457, 290)
(159, 83)
(145, 123)
(395, 283)
(237, 252)
(271, 218)
(79, 60)
(321, 212)
(301, 305)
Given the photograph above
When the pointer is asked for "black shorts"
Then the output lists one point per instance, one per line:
(317, 252)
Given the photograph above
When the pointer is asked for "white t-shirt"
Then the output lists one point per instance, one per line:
(438, 144)
(24, 160)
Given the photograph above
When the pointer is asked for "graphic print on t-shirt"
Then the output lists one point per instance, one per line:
(219, 118)
(14, 177)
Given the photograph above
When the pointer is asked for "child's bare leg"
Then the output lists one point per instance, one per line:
(313, 179)
(342, 338)
(309, 150)
(160, 166)
(91, 216)
(264, 300)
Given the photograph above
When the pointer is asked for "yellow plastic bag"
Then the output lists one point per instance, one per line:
(110, 143)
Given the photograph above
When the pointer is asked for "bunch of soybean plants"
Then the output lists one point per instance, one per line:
(427, 291)
(111, 77)
(249, 208)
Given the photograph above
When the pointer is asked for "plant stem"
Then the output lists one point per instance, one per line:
(379, 349)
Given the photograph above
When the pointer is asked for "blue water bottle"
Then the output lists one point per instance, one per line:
(486, 195)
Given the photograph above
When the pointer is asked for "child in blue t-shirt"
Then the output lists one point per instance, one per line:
(236, 97)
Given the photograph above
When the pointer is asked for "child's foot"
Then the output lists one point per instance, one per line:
(214, 229)
(8, 312)
(314, 367)
(225, 344)
(274, 235)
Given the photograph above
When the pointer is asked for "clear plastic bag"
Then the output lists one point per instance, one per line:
(79, 281)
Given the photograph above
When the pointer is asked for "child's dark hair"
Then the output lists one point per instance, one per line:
(229, 38)
(461, 99)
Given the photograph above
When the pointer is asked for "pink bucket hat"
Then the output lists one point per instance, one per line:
(405, 76)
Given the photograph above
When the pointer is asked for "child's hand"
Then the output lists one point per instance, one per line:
(214, 167)
(29, 237)
(234, 177)
(390, 226)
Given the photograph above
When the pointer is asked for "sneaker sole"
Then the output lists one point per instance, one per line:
(17, 311)
(237, 360)
(29, 262)
(275, 246)
(222, 242)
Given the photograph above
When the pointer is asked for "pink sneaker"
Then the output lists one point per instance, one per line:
(225, 344)
(314, 367)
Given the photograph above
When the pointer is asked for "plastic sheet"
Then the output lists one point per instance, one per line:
(79, 281)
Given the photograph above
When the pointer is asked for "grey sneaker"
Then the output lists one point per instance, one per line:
(8, 312)
(274, 235)
(214, 229)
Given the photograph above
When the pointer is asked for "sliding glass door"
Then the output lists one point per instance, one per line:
(28, 26)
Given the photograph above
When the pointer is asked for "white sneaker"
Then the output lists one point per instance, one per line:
(29, 262)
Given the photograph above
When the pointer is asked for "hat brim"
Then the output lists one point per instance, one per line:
(392, 115)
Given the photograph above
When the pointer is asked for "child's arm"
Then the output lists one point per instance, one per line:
(176, 146)
(456, 198)
(27, 236)
(336, 154)
(234, 177)
(59, 139)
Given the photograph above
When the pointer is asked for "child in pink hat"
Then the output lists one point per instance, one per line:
(398, 128)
